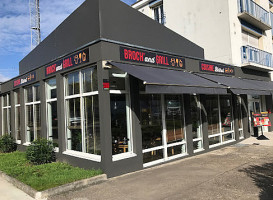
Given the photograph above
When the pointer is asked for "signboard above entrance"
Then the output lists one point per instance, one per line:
(24, 79)
(217, 69)
(145, 57)
(68, 62)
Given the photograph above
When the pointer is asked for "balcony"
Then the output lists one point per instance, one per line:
(256, 58)
(254, 14)
(271, 17)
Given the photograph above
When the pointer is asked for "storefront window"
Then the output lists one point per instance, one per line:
(151, 126)
(6, 129)
(52, 116)
(196, 123)
(17, 115)
(220, 119)
(163, 127)
(33, 112)
(174, 120)
(82, 118)
(212, 109)
(120, 112)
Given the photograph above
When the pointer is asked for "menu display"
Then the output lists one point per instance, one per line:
(261, 119)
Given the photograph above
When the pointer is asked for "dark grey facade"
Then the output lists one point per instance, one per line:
(101, 29)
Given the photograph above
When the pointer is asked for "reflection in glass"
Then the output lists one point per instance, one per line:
(73, 84)
(212, 114)
(17, 97)
(214, 140)
(117, 79)
(227, 137)
(197, 145)
(196, 118)
(226, 113)
(152, 156)
(74, 135)
(150, 120)
(36, 88)
(90, 83)
(5, 121)
(120, 136)
(175, 150)
(92, 125)
(52, 122)
(29, 123)
(174, 118)
(37, 114)
(17, 123)
(29, 94)
(51, 89)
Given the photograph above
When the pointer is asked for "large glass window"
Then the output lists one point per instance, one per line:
(6, 116)
(82, 112)
(33, 112)
(163, 127)
(151, 126)
(17, 115)
(220, 119)
(52, 116)
(120, 112)
(196, 123)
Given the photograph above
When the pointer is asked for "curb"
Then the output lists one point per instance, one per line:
(43, 195)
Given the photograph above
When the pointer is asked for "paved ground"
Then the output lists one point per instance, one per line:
(9, 192)
(243, 171)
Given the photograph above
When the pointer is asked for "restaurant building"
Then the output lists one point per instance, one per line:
(115, 90)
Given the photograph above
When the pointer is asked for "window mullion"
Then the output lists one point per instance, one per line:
(164, 137)
(82, 112)
(220, 122)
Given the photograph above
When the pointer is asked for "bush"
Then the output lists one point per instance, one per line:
(40, 151)
(7, 144)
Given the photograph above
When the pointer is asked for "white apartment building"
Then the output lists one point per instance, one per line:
(236, 32)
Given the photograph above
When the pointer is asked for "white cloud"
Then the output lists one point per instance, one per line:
(3, 78)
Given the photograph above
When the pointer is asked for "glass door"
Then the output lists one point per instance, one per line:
(254, 105)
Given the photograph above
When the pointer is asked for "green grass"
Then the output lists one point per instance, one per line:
(42, 177)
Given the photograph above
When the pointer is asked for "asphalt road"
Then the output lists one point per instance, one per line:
(242, 171)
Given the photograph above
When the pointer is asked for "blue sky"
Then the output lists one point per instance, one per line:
(15, 29)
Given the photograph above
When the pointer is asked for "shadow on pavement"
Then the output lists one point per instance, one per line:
(263, 178)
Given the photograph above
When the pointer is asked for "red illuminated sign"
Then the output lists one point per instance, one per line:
(25, 79)
(218, 69)
(139, 56)
(68, 62)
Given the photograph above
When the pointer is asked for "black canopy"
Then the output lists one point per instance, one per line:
(166, 81)
(241, 86)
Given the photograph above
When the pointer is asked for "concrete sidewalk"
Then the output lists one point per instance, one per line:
(10, 192)
(243, 171)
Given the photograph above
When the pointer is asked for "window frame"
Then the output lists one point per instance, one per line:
(221, 134)
(164, 145)
(33, 103)
(48, 101)
(17, 105)
(8, 112)
(127, 92)
(81, 95)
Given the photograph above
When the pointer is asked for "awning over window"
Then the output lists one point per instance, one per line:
(241, 86)
(167, 81)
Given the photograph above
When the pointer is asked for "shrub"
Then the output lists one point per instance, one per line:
(7, 144)
(40, 151)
